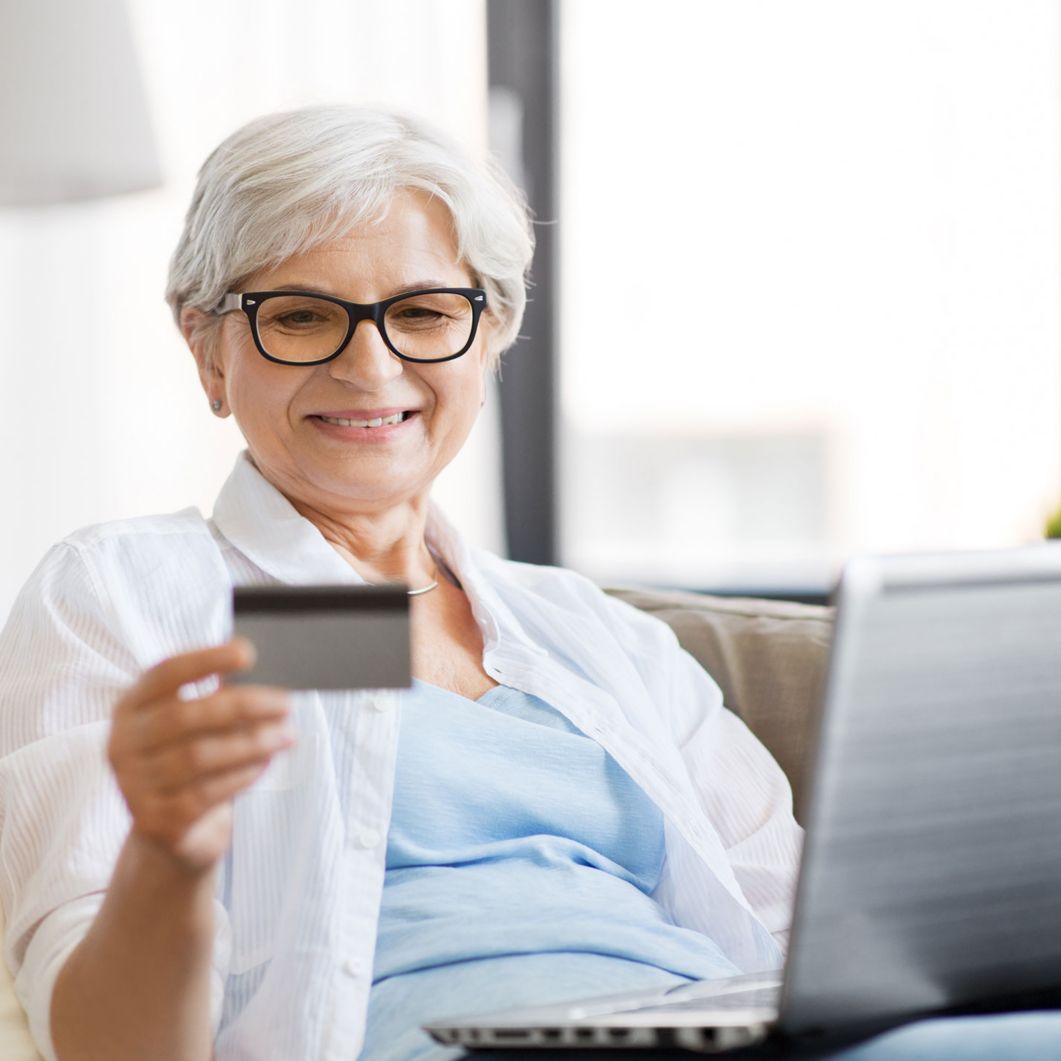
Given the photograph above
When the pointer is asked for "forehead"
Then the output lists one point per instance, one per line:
(413, 244)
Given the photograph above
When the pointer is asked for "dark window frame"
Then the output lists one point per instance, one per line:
(522, 60)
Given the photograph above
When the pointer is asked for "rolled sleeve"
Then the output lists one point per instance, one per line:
(49, 947)
(63, 819)
(63, 825)
(56, 937)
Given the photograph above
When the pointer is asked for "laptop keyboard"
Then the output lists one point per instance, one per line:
(744, 991)
(764, 997)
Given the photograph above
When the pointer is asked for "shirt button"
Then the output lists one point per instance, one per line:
(378, 703)
(367, 838)
(351, 967)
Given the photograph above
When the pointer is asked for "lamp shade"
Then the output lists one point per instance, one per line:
(73, 117)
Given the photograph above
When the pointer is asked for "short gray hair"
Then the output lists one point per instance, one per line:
(288, 182)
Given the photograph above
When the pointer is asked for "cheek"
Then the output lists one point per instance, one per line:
(465, 396)
(261, 391)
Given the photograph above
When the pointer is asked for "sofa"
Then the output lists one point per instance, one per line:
(768, 657)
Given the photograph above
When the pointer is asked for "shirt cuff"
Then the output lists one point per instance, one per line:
(54, 941)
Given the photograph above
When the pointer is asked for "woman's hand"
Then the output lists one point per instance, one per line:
(180, 762)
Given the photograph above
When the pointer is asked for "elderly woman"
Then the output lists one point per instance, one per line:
(559, 806)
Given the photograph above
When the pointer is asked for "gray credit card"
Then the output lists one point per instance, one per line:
(325, 637)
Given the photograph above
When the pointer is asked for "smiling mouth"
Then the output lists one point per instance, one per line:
(385, 421)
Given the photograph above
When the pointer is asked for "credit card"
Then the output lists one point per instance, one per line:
(325, 637)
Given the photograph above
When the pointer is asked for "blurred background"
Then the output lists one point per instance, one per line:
(796, 295)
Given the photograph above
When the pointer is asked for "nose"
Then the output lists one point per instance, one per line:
(366, 362)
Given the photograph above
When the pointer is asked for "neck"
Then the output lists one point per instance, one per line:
(382, 547)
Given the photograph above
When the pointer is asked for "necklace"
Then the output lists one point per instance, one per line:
(433, 584)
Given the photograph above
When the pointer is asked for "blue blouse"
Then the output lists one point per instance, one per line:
(521, 861)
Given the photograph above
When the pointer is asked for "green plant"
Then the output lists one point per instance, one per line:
(1053, 525)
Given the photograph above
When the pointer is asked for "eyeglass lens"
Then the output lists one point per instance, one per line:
(303, 328)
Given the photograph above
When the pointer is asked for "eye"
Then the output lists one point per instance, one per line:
(437, 311)
(299, 317)
(296, 314)
(418, 313)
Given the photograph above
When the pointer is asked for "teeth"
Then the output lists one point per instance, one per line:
(377, 422)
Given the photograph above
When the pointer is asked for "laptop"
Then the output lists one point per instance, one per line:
(931, 873)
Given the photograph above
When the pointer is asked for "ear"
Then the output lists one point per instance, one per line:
(200, 332)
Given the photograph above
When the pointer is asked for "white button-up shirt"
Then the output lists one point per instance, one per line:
(299, 892)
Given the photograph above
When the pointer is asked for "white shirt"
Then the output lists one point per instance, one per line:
(299, 892)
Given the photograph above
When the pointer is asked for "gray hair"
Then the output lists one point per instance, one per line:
(288, 182)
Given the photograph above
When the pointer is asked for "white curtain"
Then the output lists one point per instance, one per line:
(101, 414)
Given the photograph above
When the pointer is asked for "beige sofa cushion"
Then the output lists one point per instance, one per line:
(15, 1041)
(769, 657)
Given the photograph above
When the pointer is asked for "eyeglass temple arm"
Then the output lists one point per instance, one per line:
(229, 303)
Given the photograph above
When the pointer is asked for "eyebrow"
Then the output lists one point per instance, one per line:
(402, 289)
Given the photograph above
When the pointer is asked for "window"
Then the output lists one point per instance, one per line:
(810, 282)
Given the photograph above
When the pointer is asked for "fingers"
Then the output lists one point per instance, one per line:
(172, 817)
(165, 721)
(179, 762)
(224, 786)
(166, 678)
(193, 762)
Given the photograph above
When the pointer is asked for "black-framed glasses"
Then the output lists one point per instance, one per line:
(307, 328)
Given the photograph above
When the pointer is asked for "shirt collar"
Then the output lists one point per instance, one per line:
(489, 583)
(262, 524)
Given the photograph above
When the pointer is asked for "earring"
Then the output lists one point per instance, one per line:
(216, 405)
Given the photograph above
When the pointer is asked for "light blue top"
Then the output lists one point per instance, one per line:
(521, 861)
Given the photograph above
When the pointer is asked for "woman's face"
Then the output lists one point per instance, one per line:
(279, 407)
